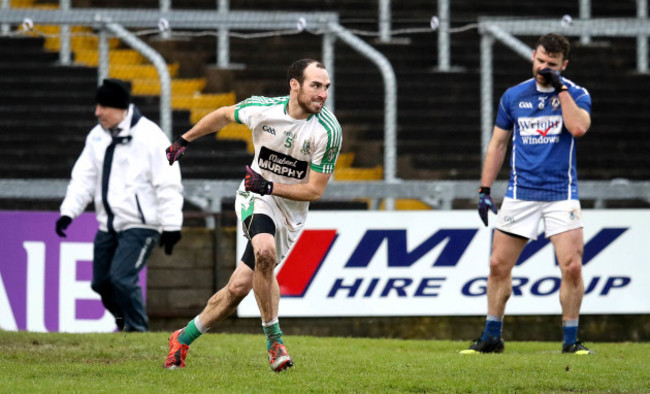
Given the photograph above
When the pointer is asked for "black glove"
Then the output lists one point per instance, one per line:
(552, 78)
(169, 239)
(61, 224)
(484, 203)
(176, 150)
(255, 183)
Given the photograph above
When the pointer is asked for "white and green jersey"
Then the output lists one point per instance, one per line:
(286, 149)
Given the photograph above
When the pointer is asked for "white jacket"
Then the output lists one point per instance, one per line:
(144, 191)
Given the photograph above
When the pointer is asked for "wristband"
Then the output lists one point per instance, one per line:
(484, 190)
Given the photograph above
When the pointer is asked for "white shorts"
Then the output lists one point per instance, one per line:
(285, 235)
(522, 218)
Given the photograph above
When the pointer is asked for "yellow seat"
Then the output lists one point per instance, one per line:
(345, 160)
(359, 174)
(199, 100)
(405, 204)
(236, 131)
(151, 86)
(79, 43)
(135, 71)
(21, 3)
(116, 57)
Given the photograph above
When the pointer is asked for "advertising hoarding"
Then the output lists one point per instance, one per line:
(45, 279)
(429, 263)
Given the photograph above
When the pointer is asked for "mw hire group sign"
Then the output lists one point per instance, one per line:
(423, 263)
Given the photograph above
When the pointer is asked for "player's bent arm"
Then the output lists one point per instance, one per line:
(495, 155)
(310, 191)
(576, 119)
(211, 123)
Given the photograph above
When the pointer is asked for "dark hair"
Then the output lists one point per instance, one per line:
(297, 69)
(555, 44)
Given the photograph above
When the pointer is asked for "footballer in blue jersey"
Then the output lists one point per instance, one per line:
(543, 117)
(540, 140)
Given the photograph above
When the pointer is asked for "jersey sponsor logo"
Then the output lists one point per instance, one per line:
(540, 130)
(525, 104)
(281, 164)
(268, 129)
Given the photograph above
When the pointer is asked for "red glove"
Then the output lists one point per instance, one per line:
(255, 183)
(176, 150)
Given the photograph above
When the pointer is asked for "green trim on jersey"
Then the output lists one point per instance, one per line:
(261, 102)
(334, 138)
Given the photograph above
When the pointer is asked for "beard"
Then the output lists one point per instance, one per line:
(306, 105)
(538, 77)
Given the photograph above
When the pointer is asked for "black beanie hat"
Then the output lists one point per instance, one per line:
(114, 93)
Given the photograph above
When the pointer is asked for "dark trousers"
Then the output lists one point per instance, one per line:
(118, 258)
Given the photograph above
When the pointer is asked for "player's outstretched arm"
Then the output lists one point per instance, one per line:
(211, 123)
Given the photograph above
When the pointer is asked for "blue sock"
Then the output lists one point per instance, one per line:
(493, 327)
(570, 330)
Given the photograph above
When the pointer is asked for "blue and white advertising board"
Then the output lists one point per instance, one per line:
(429, 263)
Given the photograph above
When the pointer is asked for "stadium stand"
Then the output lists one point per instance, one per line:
(438, 112)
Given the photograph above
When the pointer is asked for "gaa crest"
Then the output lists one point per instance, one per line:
(306, 148)
(331, 153)
(555, 102)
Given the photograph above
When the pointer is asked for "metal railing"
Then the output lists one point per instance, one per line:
(208, 194)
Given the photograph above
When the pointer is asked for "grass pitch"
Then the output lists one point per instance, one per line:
(236, 363)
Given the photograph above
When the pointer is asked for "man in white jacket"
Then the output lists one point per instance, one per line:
(136, 194)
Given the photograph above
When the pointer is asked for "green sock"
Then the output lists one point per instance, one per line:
(189, 334)
(273, 334)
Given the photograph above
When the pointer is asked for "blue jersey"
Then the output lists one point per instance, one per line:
(543, 160)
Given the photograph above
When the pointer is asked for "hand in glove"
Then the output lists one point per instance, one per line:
(484, 203)
(61, 224)
(176, 150)
(168, 239)
(552, 78)
(256, 183)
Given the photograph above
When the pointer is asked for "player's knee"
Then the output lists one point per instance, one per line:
(498, 269)
(265, 259)
(572, 270)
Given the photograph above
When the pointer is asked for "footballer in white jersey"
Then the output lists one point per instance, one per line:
(297, 141)
(285, 150)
